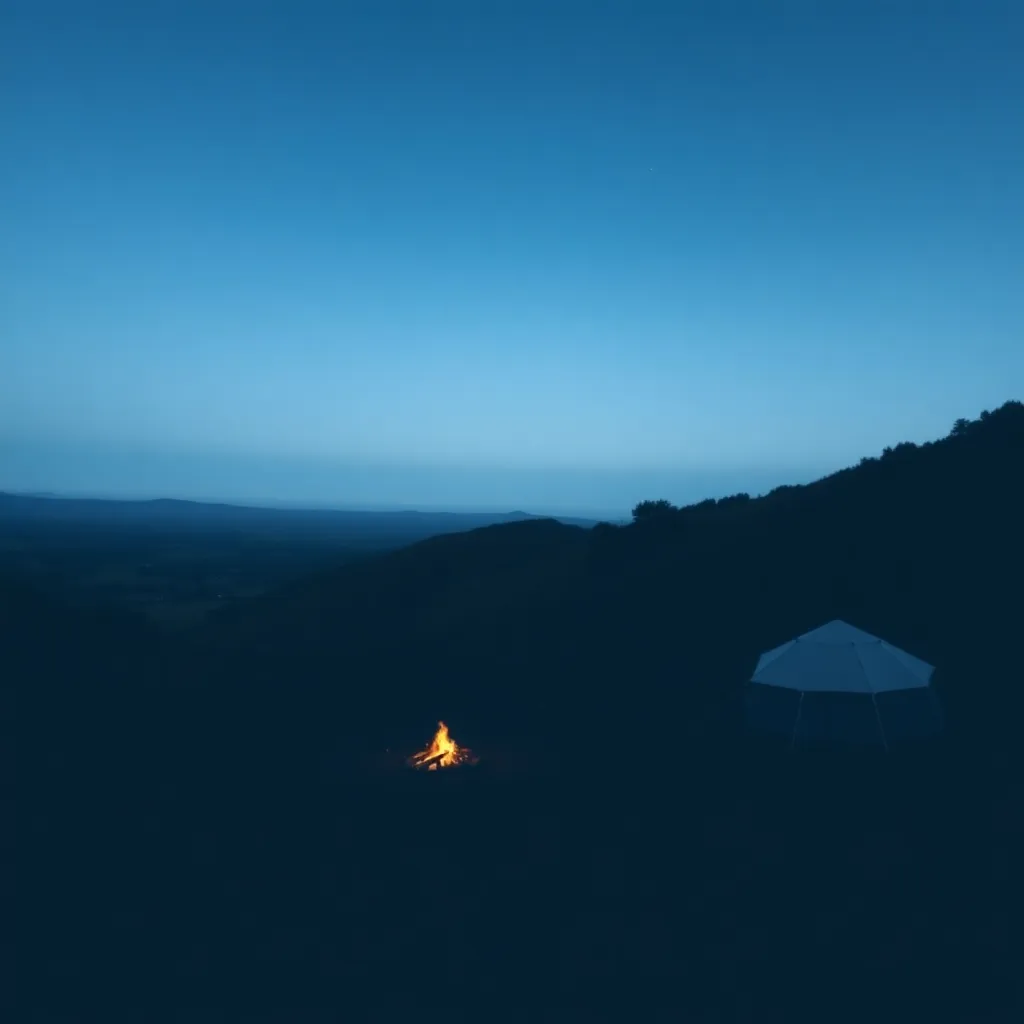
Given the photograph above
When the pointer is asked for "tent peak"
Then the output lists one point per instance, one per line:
(838, 632)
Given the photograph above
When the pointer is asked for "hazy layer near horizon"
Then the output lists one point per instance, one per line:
(86, 471)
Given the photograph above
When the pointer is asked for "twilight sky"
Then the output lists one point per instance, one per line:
(556, 255)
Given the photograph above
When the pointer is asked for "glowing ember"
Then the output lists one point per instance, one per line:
(443, 752)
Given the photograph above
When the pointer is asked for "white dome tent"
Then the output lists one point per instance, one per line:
(840, 685)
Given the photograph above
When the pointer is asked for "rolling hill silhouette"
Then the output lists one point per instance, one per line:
(656, 625)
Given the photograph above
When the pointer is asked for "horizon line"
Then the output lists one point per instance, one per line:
(312, 505)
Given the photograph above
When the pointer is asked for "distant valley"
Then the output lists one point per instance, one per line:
(176, 561)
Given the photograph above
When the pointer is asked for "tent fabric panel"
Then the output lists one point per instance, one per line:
(769, 656)
(884, 671)
(919, 668)
(812, 667)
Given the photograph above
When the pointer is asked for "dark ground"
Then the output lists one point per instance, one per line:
(261, 889)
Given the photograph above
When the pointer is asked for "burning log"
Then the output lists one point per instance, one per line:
(443, 752)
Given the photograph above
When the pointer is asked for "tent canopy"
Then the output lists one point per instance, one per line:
(838, 684)
(839, 658)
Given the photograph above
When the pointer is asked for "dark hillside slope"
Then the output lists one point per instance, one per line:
(394, 640)
(81, 687)
(81, 724)
(60, 657)
(924, 546)
(651, 629)
(403, 586)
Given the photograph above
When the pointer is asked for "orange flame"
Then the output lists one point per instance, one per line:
(443, 752)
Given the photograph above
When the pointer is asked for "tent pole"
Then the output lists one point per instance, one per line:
(881, 728)
(796, 722)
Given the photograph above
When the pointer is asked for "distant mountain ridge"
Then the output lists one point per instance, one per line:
(178, 510)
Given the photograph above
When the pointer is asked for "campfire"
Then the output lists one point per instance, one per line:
(443, 752)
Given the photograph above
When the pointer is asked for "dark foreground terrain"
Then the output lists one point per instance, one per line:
(266, 893)
(217, 826)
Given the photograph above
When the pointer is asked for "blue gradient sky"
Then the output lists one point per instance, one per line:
(556, 255)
